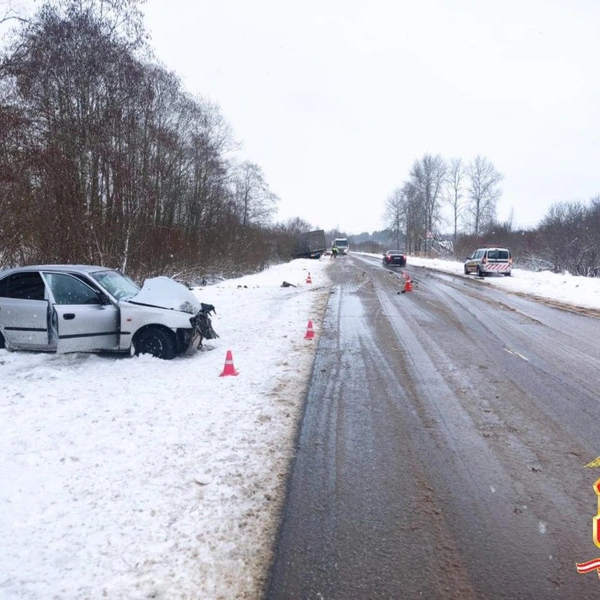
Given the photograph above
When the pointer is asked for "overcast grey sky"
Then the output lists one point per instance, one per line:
(335, 99)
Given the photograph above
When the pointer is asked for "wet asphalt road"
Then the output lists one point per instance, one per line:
(442, 448)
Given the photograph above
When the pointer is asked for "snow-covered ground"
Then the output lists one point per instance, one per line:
(130, 478)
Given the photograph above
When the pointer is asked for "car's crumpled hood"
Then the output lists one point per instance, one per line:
(163, 292)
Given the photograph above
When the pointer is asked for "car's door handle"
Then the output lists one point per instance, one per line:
(68, 316)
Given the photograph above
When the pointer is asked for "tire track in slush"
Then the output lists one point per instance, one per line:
(361, 519)
(537, 450)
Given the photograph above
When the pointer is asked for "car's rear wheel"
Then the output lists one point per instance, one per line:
(480, 273)
(155, 341)
(506, 274)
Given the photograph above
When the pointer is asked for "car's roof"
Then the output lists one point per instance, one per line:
(69, 268)
(491, 248)
(395, 252)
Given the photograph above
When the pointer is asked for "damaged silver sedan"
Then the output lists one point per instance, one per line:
(62, 308)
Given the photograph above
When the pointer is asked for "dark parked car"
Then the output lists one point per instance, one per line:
(64, 308)
(394, 258)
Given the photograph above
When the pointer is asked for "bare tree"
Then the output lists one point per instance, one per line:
(454, 192)
(567, 240)
(484, 191)
(415, 217)
(394, 216)
(255, 203)
(296, 225)
(11, 11)
(119, 17)
(427, 177)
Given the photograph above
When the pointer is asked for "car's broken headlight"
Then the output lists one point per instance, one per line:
(202, 323)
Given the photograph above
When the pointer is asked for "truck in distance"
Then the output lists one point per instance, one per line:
(342, 245)
(311, 244)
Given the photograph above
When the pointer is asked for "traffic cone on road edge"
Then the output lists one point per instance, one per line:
(308, 279)
(228, 369)
(407, 283)
(310, 332)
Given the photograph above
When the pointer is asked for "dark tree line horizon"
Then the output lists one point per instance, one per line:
(105, 158)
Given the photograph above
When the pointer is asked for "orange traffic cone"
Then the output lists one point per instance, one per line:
(407, 286)
(310, 332)
(228, 369)
(308, 279)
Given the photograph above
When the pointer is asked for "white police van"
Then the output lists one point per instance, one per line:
(488, 260)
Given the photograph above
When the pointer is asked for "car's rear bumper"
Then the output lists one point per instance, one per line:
(491, 268)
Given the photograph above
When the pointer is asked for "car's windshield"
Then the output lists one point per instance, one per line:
(116, 284)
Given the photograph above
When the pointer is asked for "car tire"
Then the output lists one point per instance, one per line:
(155, 341)
(480, 273)
(2, 342)
(466, 270)
(507, 274)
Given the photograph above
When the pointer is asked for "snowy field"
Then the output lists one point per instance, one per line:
(131, 478)
(128, 478)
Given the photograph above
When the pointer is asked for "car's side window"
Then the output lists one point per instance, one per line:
(69, 290)
(23, 286)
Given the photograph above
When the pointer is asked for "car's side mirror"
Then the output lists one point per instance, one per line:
(468, 258)
(104, 299)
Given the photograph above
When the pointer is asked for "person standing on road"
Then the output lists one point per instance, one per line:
(334, 252)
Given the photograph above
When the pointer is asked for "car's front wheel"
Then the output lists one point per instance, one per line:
(466, 270)
(155, 341)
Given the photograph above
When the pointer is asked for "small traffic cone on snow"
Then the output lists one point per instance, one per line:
(228, 369)
(310, 332)
(407, 286)
(308, 279)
